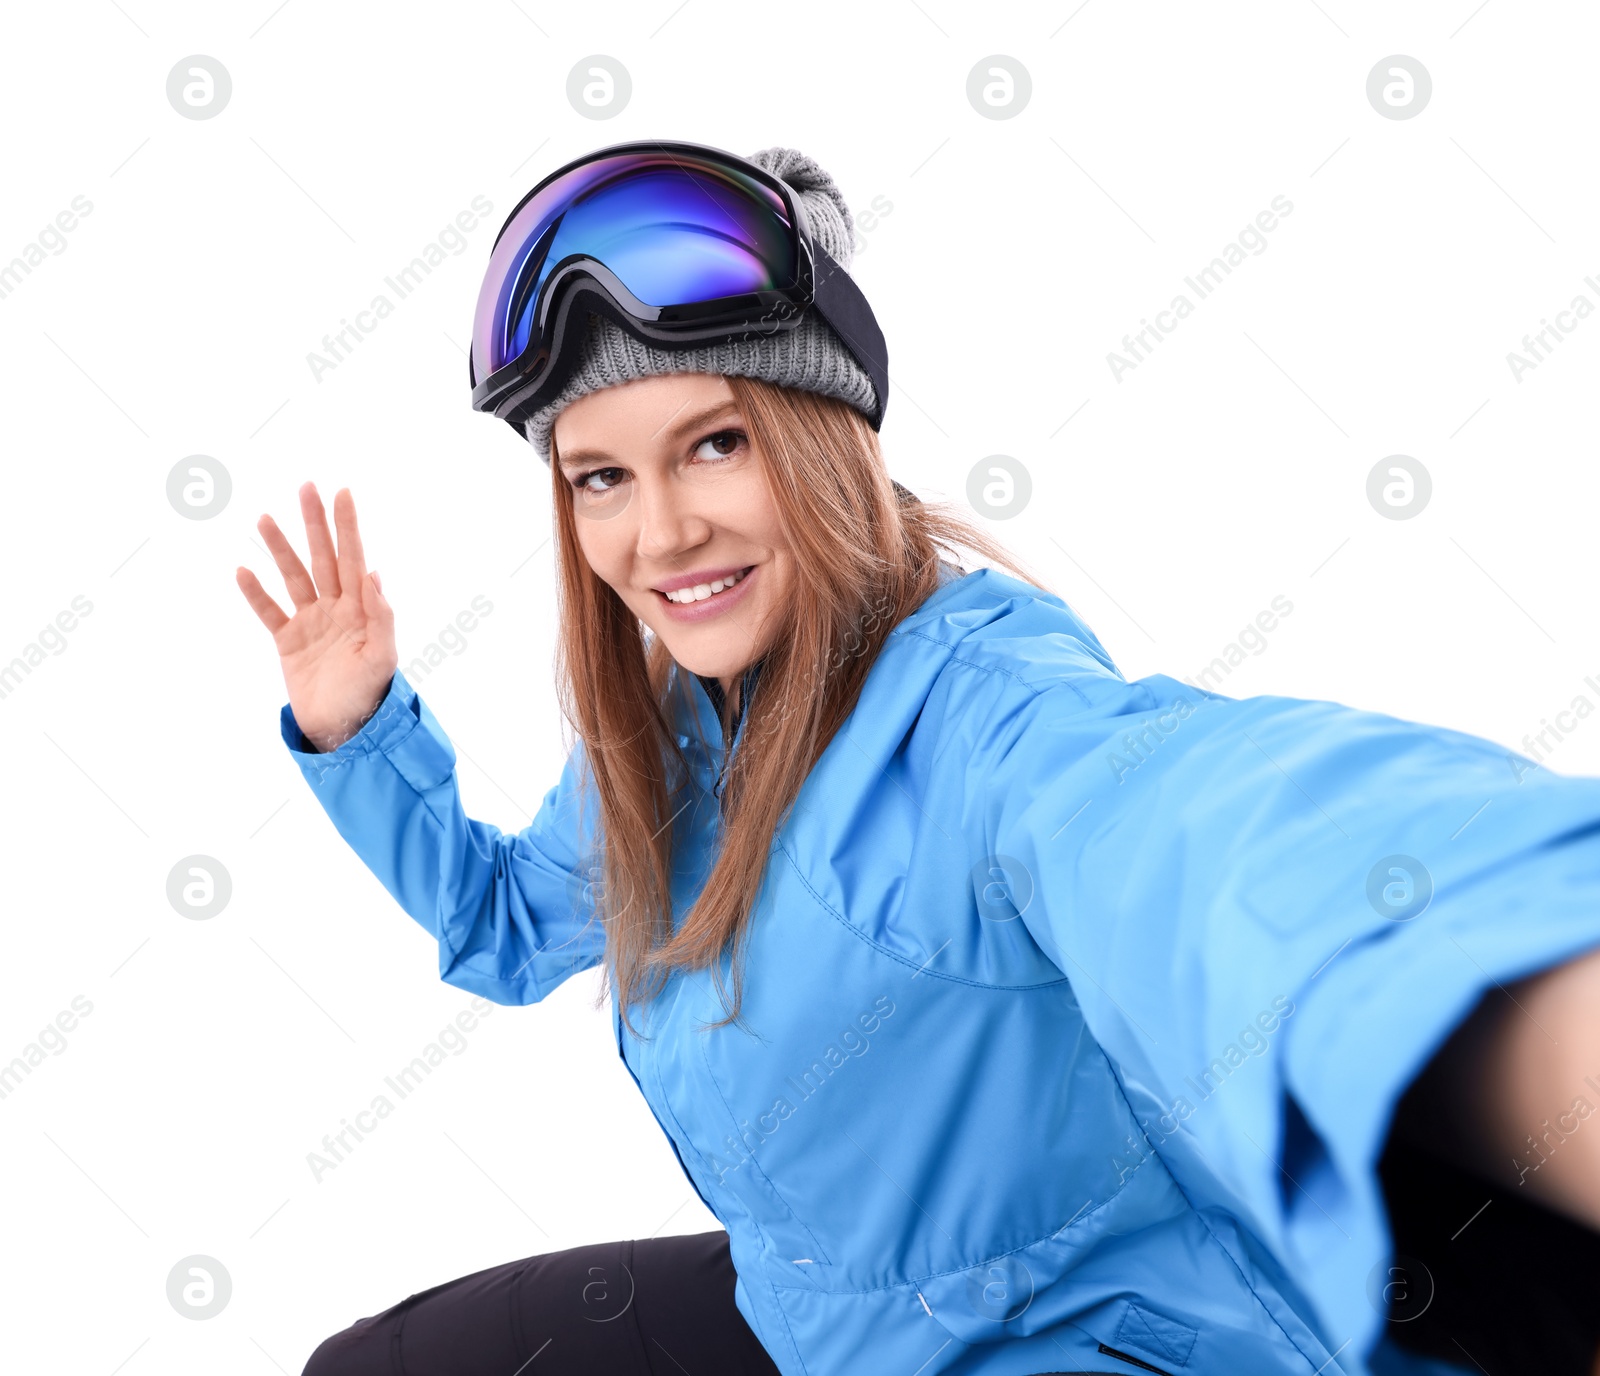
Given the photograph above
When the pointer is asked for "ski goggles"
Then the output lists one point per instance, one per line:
(681, 245)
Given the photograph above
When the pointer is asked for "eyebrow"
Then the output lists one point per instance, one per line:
(579, 457)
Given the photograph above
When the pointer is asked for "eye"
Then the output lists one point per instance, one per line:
(733, 438)
(582, 483)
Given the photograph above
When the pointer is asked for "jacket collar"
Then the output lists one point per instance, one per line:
(747, 683)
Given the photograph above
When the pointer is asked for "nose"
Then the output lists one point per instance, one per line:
(668, 522)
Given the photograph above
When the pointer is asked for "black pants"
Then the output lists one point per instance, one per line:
(1510, 1288)
(658, 1307)
(1522, 1294)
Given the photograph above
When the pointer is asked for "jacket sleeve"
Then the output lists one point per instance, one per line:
(512, 914)
(1273, 912)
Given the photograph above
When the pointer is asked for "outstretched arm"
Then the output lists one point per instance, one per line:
(513, 913)
(1349, 883)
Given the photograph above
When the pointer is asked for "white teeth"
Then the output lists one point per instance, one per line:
(700, 591)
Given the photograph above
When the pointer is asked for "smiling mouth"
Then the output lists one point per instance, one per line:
(704, 592)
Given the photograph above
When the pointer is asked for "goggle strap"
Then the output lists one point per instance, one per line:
(840, 302)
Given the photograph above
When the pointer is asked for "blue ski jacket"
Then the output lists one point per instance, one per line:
(1076, 1008)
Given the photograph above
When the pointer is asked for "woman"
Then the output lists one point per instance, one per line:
(1012, 1017)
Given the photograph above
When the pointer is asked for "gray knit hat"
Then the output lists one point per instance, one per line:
(810, 357)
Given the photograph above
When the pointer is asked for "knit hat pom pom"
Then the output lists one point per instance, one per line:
(825, 204)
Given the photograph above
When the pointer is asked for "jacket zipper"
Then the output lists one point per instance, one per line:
(671, 1142)
(1129, 1357)
(727, 752)
(729, 746)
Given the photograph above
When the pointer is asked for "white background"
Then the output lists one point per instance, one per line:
(1169, 507)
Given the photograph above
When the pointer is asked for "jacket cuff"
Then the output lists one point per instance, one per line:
(402, 729)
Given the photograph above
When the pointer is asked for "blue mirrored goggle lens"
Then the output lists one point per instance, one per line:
(675, 230)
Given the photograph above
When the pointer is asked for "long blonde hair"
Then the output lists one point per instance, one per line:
(865, 559)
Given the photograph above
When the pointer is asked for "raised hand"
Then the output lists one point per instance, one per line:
(338, 649)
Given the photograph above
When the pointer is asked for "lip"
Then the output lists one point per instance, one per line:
(714, 605)
(687, 580)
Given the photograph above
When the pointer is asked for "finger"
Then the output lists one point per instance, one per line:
(352, 558)
(380, 615)
(271, 614)
(302, 591)
(324, 565)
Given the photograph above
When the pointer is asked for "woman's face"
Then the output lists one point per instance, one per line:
(669, 493)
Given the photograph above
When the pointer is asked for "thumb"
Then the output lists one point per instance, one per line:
(380, 615)
(375, 603)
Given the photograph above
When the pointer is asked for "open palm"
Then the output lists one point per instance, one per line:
(338, 649)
